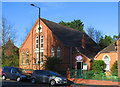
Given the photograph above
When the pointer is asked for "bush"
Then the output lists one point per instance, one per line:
(51, 63)
(98, 66)
(12, 60)
(114, 69)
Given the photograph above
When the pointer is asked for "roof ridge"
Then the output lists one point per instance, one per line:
(63, 26)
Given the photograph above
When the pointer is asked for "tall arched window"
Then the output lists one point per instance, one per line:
(27, 59)
(36, 57)
(36, 41)
(106, 59)
(23, 60)
(52, 52)
(58, 52)
(41, 41)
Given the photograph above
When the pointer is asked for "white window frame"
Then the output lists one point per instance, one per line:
(23, 56)
(107, 64)
(52, 52)
(36, 43)
(27, 57)
(36, 58)
(58, 52)
(41, 43)
(41, 57)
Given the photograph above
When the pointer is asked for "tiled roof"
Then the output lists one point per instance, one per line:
(72, 38)
(110, 48)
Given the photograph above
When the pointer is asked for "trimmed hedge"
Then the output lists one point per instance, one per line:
(98, 65)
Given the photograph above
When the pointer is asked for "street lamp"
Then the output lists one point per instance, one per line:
(39, 33)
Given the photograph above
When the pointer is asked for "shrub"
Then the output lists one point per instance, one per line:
(114, 69)
(51, 63)
(98, 66)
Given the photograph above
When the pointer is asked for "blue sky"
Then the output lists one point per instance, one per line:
(102, 16)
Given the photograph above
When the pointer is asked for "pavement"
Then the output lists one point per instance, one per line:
(13, 83)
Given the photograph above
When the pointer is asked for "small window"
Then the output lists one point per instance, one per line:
(23, 60)
(52, 52)
(36, 42)
(41, 57)
(41, 39)
(58, 52)
(27, 58)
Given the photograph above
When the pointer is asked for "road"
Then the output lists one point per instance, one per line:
(12, 83)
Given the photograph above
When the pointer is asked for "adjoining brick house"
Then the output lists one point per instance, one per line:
(56, 40)
(10, 49)
(109, 55)
(118, 52)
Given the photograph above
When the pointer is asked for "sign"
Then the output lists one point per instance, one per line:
(78, 58)
(84, 66)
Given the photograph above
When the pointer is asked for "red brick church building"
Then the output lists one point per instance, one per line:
(60, 41)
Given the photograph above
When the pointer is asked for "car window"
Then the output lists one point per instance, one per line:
(55, 74)
(6, 69)
(21, 70)
(14, 70)
(39, 72)
(46, 73)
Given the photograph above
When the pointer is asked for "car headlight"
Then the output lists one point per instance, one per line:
(58, 78)
(23, 76)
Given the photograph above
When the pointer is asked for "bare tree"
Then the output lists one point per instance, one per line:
(7, 33)
(91, 32)
(98, 35)
(94, 34)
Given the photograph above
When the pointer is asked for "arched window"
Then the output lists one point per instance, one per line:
(58, 52)
(52, 52)
(36, 40)
(106, 59)
(27, 57)
(23, 60)
(36, 57)
(41, 41)
(41, 57)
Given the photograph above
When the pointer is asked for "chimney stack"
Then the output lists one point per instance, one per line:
(83, 41)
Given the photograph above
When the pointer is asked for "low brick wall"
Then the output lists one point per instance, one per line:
(91, 82)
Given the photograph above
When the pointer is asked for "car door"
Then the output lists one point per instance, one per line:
(13, 73)
(38, 76)
(45, 77)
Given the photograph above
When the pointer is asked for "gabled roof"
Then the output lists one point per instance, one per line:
(110, 48)
(73, 38)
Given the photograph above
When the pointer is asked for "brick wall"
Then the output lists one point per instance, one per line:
(118, 51)
(50, 40)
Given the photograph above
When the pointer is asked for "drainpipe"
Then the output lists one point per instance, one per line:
(70, 58)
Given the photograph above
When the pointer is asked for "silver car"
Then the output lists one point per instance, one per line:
(50, 77)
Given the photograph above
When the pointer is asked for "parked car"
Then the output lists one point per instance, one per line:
(50, 77)
(15, 73)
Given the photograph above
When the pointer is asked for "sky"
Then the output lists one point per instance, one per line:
(103, 16)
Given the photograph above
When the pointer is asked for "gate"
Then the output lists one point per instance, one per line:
(76, 73)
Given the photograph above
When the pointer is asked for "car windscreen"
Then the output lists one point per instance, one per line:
(21, 70)
(54, 74)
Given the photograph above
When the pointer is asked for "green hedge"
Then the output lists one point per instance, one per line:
(98, 66)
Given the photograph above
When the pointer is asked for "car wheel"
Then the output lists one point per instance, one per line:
(52, 82)
(18, 79)
(33, 81)
(4, 77)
